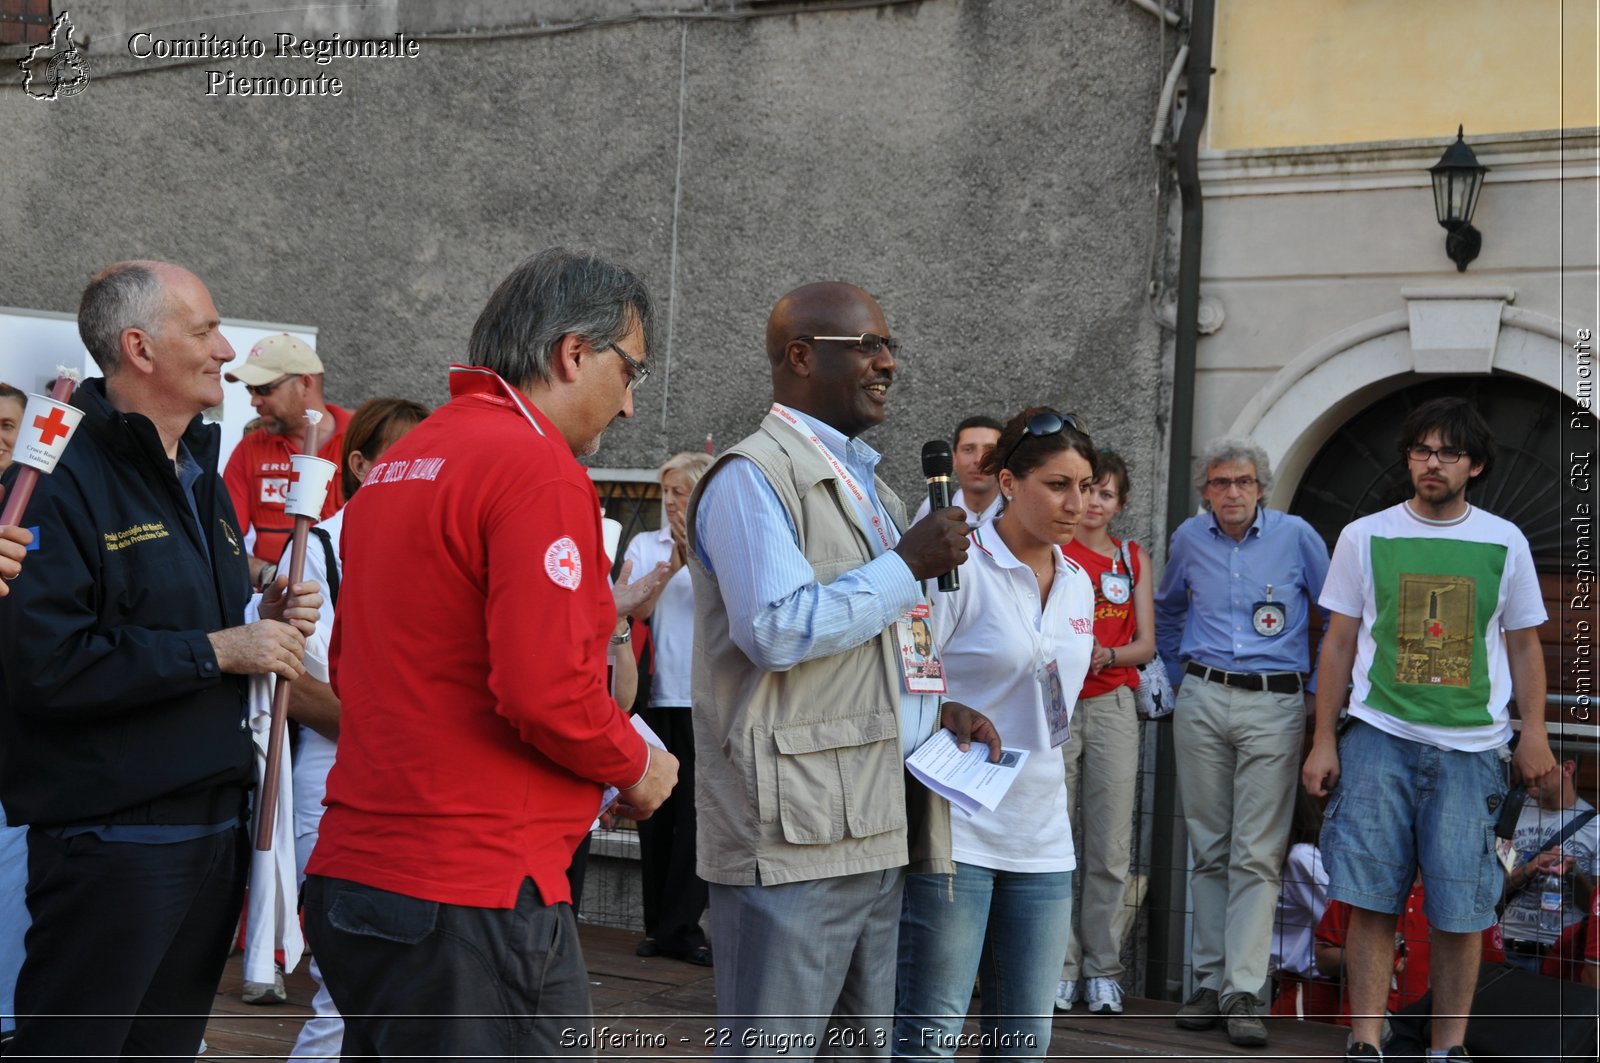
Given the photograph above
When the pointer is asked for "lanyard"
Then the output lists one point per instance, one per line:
(863, 501)
(1020, 604)
(494, 382)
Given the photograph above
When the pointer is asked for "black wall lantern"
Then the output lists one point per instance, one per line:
(1457, 179)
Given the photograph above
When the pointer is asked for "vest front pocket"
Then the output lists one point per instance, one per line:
(839, 778)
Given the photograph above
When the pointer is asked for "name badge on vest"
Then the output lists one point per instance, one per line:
(919, 652)
(1057, 711)
(1269, 618)
(1116, 586)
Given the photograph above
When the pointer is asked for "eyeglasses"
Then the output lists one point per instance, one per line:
(1446, 455)
(870, 343)
(1044, 423)
(264, 390)
(637, 373)
(1222, 483)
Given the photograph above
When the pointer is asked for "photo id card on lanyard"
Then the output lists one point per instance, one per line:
(919, 651)
(1056, 709)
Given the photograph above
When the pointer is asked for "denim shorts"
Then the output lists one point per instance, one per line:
(1402, 805)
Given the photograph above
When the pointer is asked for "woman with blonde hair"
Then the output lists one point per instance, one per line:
(674, 896)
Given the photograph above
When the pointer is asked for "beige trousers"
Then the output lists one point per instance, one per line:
(1238, 766)
(1103, 758)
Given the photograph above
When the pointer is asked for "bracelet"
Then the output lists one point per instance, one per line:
(1112, 663)
(269, 572)
(624, 638)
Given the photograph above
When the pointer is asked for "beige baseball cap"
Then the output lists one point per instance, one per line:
(273, 357)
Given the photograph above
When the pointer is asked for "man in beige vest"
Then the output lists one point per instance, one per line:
(803, 712)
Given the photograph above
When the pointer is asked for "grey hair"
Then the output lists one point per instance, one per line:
(121, 296)
(553, 294)
(689, 464)
(1232, 448)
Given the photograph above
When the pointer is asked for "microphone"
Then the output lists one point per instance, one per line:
(937, 465)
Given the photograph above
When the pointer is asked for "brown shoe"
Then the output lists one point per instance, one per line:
(1245, 1027)
(1200, 1011)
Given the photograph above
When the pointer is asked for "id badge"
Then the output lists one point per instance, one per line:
(1056, 710)
(1117, 587)
(1269, 618)
(919, 652)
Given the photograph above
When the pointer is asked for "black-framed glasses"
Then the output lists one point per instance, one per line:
(869, 342)
(1222, 483)
(264, 390)
(1447, 455)
(1044, 423)
(638, 373)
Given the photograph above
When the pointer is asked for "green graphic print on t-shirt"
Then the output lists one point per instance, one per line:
(1434, 601)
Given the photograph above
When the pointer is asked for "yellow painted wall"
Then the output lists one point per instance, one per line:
(1298, 72)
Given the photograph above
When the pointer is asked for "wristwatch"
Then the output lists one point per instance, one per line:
(269, 572)
(624, 638)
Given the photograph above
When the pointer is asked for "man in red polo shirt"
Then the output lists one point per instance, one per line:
(477, 731)
(284, 378)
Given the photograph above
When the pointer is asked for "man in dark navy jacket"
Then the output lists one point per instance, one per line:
(123, 657)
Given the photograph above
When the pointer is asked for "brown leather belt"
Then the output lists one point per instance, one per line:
(1272, 682)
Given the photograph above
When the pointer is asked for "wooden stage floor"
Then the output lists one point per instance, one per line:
(669, 1004)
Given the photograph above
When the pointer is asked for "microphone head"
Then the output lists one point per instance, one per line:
(936, 459)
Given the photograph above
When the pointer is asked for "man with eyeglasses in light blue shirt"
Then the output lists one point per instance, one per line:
(805, 704)
(1232, 613)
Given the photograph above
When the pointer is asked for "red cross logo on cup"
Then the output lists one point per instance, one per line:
(51, 427)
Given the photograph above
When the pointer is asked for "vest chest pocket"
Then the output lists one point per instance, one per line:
(839, 778)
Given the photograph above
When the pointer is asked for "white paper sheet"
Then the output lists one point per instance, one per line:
(967, 780)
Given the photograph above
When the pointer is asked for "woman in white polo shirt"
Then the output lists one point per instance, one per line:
(1016, 641)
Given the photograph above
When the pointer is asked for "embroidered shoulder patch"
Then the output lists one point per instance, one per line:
(562, 563)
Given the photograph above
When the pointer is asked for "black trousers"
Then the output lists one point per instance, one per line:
(127, 944)
(425, 980)
(674, 896)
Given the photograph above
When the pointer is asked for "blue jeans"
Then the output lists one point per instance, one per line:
(1400, 805)
(1009, 929)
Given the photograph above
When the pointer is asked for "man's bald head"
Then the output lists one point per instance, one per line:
(819, 309)
(842, 382)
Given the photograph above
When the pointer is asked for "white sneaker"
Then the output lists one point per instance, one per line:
(261, 993)
(1066, 994)
(1105, 996)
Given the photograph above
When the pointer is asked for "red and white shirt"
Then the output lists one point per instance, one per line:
(469, 655)
(257, 478)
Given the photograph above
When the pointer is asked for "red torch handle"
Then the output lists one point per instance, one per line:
(267, 803)
(267, 800)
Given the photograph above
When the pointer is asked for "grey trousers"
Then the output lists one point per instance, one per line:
(1238, 766)
(420, 979)
(1102, 756)
(806, 970)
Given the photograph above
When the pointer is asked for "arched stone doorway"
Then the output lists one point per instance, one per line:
(1329, 420)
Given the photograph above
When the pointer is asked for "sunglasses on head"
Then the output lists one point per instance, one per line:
(1044, 423)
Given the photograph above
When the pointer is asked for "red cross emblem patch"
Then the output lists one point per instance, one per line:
(562, 563)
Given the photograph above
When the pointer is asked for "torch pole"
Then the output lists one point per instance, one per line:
(267, 803)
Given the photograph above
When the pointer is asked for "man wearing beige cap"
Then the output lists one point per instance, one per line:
(284, 378)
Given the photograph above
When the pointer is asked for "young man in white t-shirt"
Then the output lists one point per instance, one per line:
(1434, 609)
